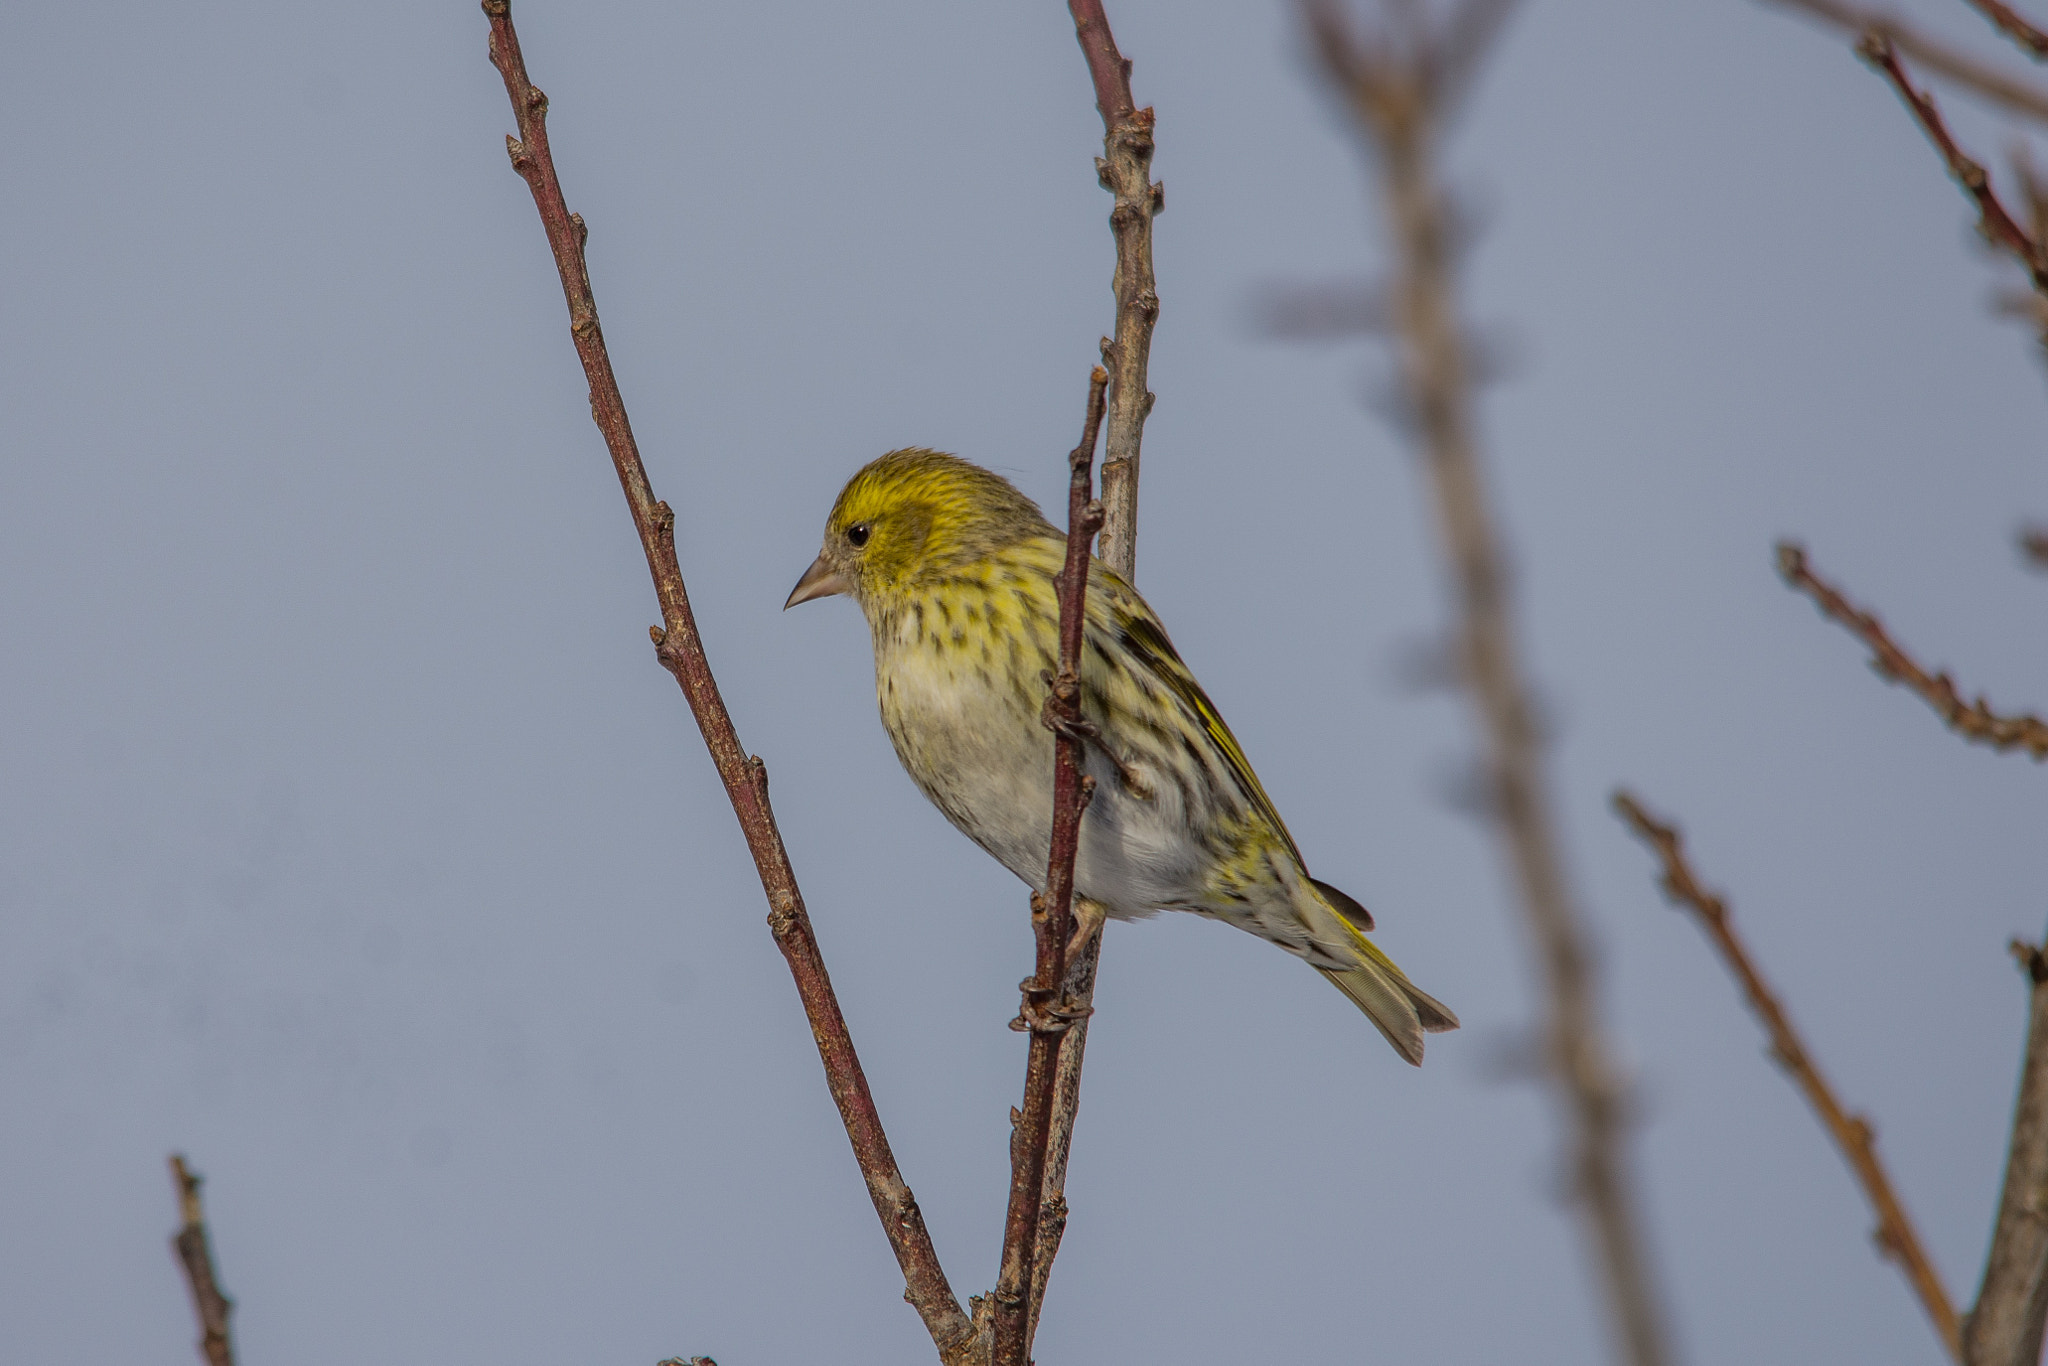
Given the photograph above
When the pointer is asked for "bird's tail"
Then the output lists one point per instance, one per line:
(1401, 1010)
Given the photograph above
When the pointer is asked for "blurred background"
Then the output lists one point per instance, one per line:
(354, 843)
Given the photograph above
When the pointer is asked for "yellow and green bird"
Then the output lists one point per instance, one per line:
(954, 568)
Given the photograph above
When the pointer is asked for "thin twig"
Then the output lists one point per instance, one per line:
(1974, 720)
(681, 651)
(1125, 170)
(1997, 226)
(195, 1254)
(1047, 1013)
(1396, 85)
(2030, 304)
(2013, 25)
(1852, 1133)
(2007, 92)
(2004, 1329)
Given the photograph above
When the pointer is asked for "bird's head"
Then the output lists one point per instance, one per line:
(912, 518)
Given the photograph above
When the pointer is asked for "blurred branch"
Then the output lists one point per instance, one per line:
(1974, 720)
(1401, 86)
(195, 1254)
(2027, 244)
(1336, 311)
(2013, 25)
(2005, 1327)
(2033, 191)
(1461, 49)
(2034, 546)
(2007, 92)
(1997, 226)
(1125, 170)
(1852, 1133)
(681, 651)
(1047, 1012)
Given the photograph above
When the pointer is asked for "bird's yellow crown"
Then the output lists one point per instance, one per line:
(916, 516)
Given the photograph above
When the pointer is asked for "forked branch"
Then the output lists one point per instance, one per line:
(1047, 1012)
(681, 650)
(1997, 87)
(195, 1255)
(1973, 720)
(1852, 1133)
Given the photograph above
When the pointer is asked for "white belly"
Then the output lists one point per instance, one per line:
(980, 753)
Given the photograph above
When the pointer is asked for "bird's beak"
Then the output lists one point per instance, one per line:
(821, 580)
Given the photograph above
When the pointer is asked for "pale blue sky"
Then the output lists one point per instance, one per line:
(353, 843)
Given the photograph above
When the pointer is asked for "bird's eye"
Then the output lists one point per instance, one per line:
(858, 534)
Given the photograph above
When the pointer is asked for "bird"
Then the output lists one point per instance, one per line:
(953, 568)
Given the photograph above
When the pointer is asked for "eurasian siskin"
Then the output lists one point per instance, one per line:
(954, 568)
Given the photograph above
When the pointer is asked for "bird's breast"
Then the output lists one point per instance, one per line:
(967, 728)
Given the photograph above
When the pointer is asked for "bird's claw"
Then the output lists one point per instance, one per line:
(1077, 730)
(1041, 1014)
(1086, 733)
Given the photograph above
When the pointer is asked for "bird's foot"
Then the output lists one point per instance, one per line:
(1087, 733)
(1041, 1014)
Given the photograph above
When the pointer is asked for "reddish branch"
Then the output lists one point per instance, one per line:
(1974, 720)
(2013, 25)
(1998, 226)
(681, 651)
(1047, 1012)
(1125, 170)
(2014, 95)
(1852, 1133)
(195, 1254)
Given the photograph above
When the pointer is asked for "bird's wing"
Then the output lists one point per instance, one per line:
(1140, 633)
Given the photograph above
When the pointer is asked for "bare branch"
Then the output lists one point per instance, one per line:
(1125, 170)
(1998, 226)
(1851, 1133)
(681, 651)
(1974, 720)
(2032, 190)
(1387, 85)
(2004, 1329)
(2029, 304)
(2034, 546)
(2007, 92)
(1047, 1012)
(2013, 25)
(195, 1254)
